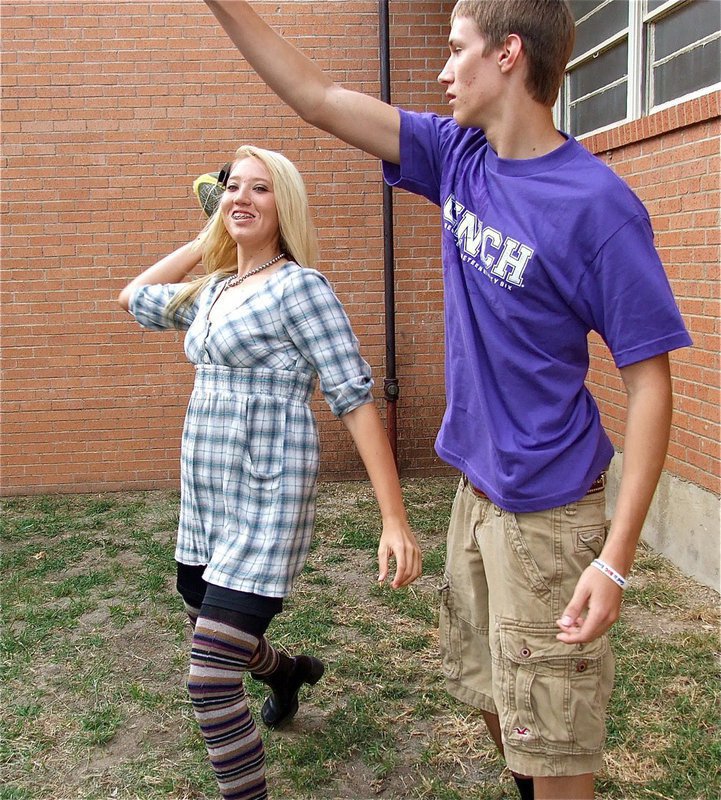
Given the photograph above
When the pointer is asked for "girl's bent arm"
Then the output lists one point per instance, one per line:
(170, 269)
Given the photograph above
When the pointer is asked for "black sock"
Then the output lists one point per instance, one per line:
(525, 787)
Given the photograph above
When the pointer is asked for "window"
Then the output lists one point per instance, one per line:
(632, 57)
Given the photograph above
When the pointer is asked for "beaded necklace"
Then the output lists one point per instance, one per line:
(238, 279)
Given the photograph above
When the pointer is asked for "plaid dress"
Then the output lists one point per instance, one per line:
(249, 456)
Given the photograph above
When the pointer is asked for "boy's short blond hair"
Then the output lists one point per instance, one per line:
(546, 28)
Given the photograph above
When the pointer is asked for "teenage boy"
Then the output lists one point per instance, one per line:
(541, 243)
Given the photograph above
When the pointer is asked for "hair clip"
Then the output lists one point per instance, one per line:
(223, 174)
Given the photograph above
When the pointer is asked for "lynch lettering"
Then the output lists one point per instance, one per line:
(506, 257)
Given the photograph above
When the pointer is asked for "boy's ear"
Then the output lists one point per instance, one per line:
(509, 52)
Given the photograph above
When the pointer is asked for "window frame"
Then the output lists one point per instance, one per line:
(640, 67)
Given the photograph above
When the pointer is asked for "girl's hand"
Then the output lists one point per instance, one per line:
(398, 541)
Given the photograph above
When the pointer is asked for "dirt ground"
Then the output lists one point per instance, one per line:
(125, 639)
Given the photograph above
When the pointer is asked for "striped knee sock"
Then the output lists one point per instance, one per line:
(220, 656)
(192, 612)
(265, 659)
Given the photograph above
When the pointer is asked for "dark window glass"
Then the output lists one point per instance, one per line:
(599, 110)
(674, 65)
(579, 8)
(686, 26)
(600, 71)
(686, 73)
(607, 21)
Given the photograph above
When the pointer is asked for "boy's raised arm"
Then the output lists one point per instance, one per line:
(358, 119)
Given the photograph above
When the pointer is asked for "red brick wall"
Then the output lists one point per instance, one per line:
(109, 112)
(671, 160)
(111, 109)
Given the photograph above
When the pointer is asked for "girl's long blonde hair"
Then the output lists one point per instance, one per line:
(297, 233)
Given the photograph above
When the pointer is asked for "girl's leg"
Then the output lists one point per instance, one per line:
(224, 643)
(285, 675)
(265, 660)
(191, 587)
(192, 612)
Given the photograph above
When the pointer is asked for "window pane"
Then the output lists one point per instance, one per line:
(654, 4)
(579, 8)
(598, 72)
(604, 23)
(686, 73)
(599, 110)
(689, 24)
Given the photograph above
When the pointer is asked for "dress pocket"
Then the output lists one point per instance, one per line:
(554, 694)
(266, 420)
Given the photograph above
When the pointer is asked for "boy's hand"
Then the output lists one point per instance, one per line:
(598, 595)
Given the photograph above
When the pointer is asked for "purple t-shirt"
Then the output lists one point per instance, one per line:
(536, 253)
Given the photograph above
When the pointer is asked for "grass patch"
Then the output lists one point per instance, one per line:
(408, 602)
(95, 651)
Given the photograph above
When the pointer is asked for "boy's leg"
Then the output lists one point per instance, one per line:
(523, 782)
(463, 616)
(574, 787)
(551, 697)
(464, 620)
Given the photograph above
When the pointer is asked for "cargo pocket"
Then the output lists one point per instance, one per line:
(449, 633)
(534, 576)
(554, 694)
(265, 418)
(589, 538)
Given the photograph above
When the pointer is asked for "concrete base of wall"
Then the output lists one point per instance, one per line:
(683, 524)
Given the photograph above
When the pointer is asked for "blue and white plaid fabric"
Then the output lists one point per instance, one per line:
(249, 459)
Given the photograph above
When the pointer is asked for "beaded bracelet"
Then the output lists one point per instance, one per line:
(609, 572)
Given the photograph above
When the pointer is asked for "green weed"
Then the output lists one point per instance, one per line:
(95, 652)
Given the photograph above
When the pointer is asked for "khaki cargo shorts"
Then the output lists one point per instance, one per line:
(508, 578)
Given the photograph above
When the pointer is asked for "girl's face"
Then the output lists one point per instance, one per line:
(248, 205)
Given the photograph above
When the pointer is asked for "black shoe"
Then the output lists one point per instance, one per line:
(282, 704)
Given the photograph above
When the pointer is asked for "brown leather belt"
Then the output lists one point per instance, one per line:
(597, 486)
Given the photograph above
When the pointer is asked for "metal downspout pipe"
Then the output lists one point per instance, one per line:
(391, 389)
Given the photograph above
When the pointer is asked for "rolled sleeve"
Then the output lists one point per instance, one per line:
(316, 322)
(149, 306)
